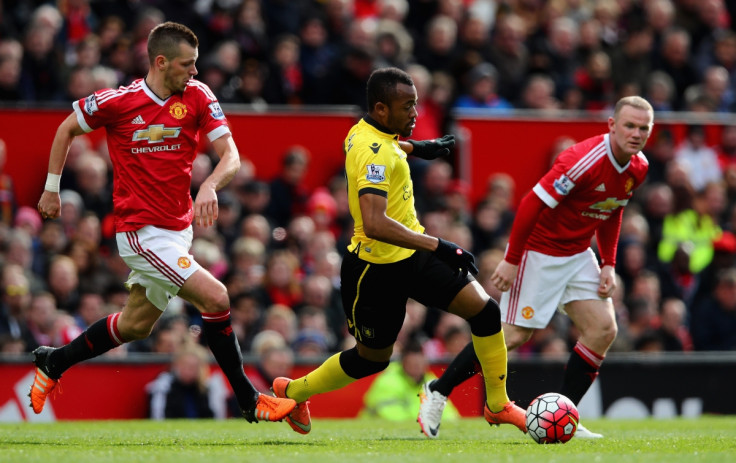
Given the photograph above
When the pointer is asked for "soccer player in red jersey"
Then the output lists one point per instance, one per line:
(153, 128)
(549, 263)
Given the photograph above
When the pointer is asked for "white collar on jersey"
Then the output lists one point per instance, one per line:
(150, 93)
(609, 151)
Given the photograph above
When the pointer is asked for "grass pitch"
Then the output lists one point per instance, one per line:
(708, 439)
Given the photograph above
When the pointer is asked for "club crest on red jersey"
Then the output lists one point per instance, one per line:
(629, 185)
(178, 110)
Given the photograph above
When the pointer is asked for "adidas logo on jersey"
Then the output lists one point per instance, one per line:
(601, 187)
(138, 120)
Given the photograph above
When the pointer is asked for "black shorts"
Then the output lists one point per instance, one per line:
(374, 296)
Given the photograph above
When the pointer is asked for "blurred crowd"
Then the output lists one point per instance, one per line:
(498, 54)
(277, 245)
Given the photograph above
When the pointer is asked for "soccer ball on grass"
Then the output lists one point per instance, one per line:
(552, 418)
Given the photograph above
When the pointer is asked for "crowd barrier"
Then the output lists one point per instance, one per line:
(660, 385)
(517, 143)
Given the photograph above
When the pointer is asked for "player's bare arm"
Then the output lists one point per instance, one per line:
(205, 204)
(407, 147)
(50, 203)
(378, 226)
(504, 275)
(608, 281)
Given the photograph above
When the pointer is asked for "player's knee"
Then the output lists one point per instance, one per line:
(217, 300)
(609, 332)
(488, 321)
(602, 334)
(359, 367)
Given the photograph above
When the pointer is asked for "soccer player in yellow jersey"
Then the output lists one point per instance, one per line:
(391, 259)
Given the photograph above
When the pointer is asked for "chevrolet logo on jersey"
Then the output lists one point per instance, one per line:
(156, 133)
(609, 204)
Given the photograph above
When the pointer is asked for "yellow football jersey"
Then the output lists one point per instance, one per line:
(375, 163)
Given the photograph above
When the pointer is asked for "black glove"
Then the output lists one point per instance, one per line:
(456, 257)
(432, 149)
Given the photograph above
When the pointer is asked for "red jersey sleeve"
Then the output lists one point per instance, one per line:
(607, 236)
(97, 110)
(212, 121)
(530, 208)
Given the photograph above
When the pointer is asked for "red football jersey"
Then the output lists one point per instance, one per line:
(584, 187)
(152, 144)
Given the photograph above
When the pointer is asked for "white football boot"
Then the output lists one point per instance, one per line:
(584, 433)
(432, 404)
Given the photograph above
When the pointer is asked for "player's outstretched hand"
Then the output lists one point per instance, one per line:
(433, 149)
(456, 257)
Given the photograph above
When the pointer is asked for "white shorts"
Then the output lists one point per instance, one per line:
(159, 260)
(545, 284)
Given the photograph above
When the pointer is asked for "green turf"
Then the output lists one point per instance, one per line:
(711, 439)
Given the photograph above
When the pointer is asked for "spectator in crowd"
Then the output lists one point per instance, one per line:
(288, 197)
(510, 55)
(556, 55)
(660, 153)
(272, 362)
(539, 93)
(660, 90)
(316, 57)
(187, 390)
(431, 196)
(631, 58)
(247, 316)
(10, 79)
(90, 309)
(14, 305)
(713, 321)
(285, 80)
(691, 225)
(7, 189)
(480, 85)
(675, 54)
(436, 348)
(673, 330)
(40, 77)
(724, 257)
(282, 320)
(438, 51)
(392, 395)
(48, 325)
(594, 82)
(311, 344)
(11, 346)
(699, 160)
(63, 282)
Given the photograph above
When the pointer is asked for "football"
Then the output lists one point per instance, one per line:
(552, 418)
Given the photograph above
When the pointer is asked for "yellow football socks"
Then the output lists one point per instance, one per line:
(491, 352)
(327, 377)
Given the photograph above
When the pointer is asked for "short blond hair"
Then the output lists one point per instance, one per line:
(633, 101)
